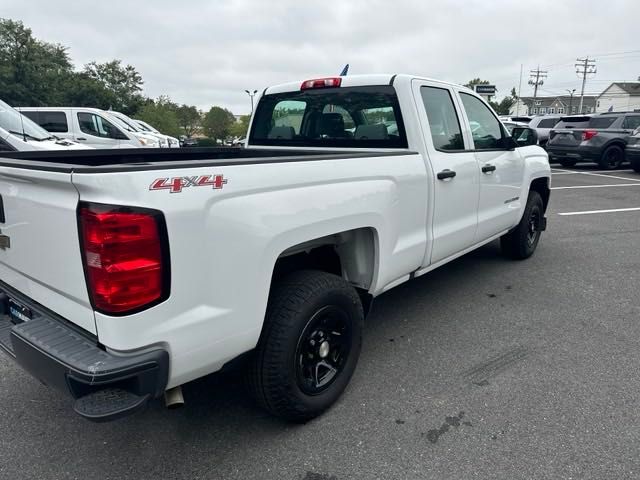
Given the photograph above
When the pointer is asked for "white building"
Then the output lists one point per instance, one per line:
(619, 97)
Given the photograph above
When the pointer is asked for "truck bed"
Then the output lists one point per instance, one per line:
(137, 159)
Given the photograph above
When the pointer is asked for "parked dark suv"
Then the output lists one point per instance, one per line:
(600, 139)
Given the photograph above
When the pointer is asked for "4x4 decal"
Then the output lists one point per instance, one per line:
(176, 184)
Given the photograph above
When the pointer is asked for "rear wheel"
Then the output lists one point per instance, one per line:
(611, 158)
(521, 242)
(309, 345)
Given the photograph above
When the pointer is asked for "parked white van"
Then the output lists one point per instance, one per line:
(165, 140)
(18, 133)
(88, 126)
(173, 141)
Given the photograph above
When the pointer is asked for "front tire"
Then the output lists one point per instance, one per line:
(309, 346)
(521, 242)
(611, 158)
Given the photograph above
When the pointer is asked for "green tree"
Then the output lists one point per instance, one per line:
(241, 129)
(217, 123)
(123, 81)
(161, 114)
(189, 119)
(32, 73)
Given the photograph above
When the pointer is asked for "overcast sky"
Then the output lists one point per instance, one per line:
(208, 52)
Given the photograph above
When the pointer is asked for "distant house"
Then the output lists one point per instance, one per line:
(619, 97)
(556, 105)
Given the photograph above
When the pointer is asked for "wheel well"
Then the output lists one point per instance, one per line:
(350, 255)
(541, 185)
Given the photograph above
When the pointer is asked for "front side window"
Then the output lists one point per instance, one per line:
(95, 125)
(443, 119)
(486, 129)
(343, 117)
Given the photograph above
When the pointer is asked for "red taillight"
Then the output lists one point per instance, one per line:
(123, 257)
(588, 134)
(321, 83)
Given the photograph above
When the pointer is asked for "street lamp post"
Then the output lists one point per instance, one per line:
(571, 92)
(251, 95)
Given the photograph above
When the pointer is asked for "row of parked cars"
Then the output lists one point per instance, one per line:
(607, 139)
(55, 128)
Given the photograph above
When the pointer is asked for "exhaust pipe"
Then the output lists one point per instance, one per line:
(173, 398)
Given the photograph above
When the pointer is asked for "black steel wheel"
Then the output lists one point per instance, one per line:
(522, 241)
(309, 346)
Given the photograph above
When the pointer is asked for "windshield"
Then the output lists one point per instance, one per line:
(13, 121)
(147, 127)
(343, 117)
(121, 123)
(126, 122)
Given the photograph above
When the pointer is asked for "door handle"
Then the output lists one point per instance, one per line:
(81, 139)
(488, 168)
(444, 174)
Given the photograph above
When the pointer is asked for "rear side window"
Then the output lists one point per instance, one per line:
(602, 122)
(486, 129)
(443, 119)
(343, 117)
(547, 123)
(95, 125)
(632, 123)
(54, 122)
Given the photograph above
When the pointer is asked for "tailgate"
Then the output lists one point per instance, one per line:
(42, 258)
(565, 138)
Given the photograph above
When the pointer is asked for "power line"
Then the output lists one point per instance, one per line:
(584, 67)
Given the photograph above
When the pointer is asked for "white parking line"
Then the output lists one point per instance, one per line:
(594, 174)
(561, 171)
(613, 210)
(598, 186)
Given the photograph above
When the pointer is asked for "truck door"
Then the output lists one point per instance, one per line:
(500, 166)
(455, 176)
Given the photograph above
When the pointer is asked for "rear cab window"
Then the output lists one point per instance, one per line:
(341, 117)
(547, 123)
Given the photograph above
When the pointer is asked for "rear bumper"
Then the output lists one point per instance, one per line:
(59, 355)
(582, 153)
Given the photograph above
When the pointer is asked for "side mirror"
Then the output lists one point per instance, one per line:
(524, 136)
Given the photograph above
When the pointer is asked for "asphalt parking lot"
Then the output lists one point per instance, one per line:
(485, 368)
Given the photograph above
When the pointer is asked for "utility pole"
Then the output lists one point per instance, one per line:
(519, 92)
(584, 67)
(536, 78)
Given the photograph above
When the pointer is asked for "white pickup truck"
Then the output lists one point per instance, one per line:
(127, 273)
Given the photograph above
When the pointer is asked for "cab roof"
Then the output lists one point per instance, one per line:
(355, 81)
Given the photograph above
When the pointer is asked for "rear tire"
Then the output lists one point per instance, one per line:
(521, 242)
(611, 158)
(309, 346)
